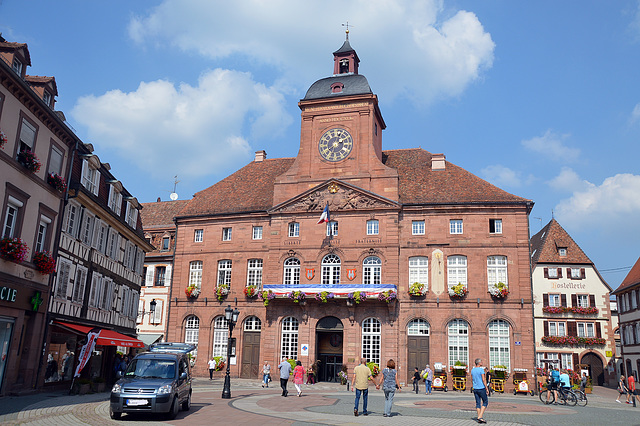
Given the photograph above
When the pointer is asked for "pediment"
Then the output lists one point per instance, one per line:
(338, 195)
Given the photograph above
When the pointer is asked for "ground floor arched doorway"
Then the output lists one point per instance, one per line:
(329, 344)
(596, 369)
(250, 367)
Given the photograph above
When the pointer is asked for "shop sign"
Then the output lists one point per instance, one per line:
(8, 294)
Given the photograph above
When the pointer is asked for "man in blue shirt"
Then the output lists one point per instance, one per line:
(285, 371)
(554, 382)
(480, 389)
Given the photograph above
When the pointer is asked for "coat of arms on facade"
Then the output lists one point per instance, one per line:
(310, 273)
(351, 274)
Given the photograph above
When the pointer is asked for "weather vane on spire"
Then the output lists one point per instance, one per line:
(347, 31)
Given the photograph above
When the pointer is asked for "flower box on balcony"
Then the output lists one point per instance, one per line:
(573, 310)
(573, 341)
(45, 263)
(57, 182)
(28, 159)
(222, 290)
(13, 249)
(458, 291)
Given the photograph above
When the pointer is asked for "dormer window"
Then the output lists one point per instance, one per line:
(344, 66)
(91, 176)
(46, 97)
(562, 251)
(337, 87)
(115, 197)
(132, 215)
(17, 66)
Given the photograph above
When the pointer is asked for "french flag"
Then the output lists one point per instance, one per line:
(324, 217)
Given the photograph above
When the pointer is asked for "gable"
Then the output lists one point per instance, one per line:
(339, 196)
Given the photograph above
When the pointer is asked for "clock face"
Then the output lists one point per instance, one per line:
(335, 144)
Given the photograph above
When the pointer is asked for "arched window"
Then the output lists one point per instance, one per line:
(456, 271)
(220, 336)
(371, 337)
(191, 332)
(458, 333)
(497, 270)
(252, 324)
(195, 273)
(499, 344)
(371, 270)
(418, 327)
(331, 269)
(289, 338)
(292, 271)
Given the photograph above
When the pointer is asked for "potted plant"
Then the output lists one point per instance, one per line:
(44, 262)
(219, 363)
(56, 181)
(374, 368)
(343, 375)
(387, 296)
(356, 297)
(28, 159)
(458, 291)
(499, 290)
(251, 291)
(297, 296)
(13, 249)
(324, 296)
(222, 290)
(417, 289)
(267, 296)
(192, 291)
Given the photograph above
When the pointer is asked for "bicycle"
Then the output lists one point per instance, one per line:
(582, 397)
(565, 396)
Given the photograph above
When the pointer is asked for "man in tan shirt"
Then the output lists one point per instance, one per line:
(360, 383)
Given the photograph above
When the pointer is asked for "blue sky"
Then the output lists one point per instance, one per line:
(539, 98)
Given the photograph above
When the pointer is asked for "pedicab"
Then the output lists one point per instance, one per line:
(521, 382)
(459, 377)
(439, 377)
(500, 376)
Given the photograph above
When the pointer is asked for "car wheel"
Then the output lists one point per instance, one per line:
(173, 411)
(186, 405)
(114, 414)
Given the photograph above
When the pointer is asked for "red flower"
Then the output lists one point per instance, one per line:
(44, 262)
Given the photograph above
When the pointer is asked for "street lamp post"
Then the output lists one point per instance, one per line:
(232, 317)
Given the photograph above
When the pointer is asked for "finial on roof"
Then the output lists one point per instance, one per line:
(347, 30)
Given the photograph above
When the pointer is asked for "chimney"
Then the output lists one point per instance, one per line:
(437, 162)
(261, 156)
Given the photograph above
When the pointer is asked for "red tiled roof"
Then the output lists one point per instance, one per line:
(11, 46)
(632, 278)
(545, 244)
(37, 79)
(160, 213)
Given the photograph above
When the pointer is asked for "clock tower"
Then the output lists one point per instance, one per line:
(340, 135)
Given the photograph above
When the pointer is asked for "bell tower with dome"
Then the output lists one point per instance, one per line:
(340, 135)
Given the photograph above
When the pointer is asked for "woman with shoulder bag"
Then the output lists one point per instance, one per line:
(389, 386)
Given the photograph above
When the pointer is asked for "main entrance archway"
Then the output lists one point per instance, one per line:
(329, 336)
(596, 368)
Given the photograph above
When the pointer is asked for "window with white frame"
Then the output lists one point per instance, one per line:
(114, 244)
(107, 292)
(41, 238)
(582, 300)
(132, 215)
(497, 270)
(257, 232)
(331, 269)
(115, 200)
(554, 300)
(372, 227)
(161, 273)
(63, 276)
(191, 332)
(96, 293)
(552, 272)
(79, 284)
(90, 177)
(12, 212)
(198, 235)
(626, 301)
(495, 226)
(371, 270)
(224, 272)
(576, 273)
(100, 233)
(72, 219)
(46, 98)
(195, 273)
(456, 271)
(419, 271)
(16, 65)
(289, 338)
(371, 340)
(332, 229)
(220, 336)
(562, 251)
(634, 299)
(86, 230)
(156, 316)
(557, 328)
(291, 271)
(566, 361)
(254, 272)
(226, 234)
(499, 344)
(586, 329)
(252, 323)
(294, 229)
(418, 327)
(458, 337)
(417, 227)
(637, 330)
(166, 241)
(27, 136)
(455, 226)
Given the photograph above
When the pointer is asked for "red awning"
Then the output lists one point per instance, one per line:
(107, 337)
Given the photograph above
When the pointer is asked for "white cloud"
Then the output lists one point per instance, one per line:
(192, 130)
(635, 114)
(553, 147)
(568, 180)
(614, 204)
(501, 176)
(416, 48)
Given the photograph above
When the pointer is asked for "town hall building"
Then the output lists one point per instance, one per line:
(414, 258)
